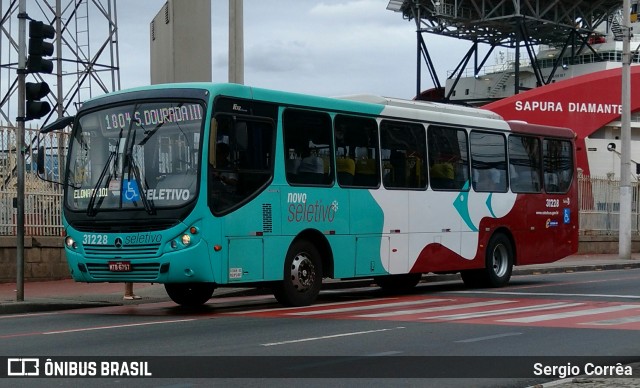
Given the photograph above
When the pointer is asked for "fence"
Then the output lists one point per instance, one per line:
(600, 207)
(598, 196)
(42, 199)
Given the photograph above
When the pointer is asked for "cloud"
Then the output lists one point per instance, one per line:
(330, 48)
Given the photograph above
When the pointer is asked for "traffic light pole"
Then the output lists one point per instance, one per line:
(22, 34)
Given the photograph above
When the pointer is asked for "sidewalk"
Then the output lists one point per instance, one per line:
(67, 294)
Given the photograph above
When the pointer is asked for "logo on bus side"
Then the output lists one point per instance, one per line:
(300, 210)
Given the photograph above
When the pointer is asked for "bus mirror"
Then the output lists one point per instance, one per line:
(60, 123)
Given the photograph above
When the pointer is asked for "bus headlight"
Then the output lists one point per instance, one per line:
(70, 242)
(186, 239)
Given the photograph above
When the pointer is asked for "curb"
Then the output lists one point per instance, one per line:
(32, 307)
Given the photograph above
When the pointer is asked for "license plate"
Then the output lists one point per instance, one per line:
(119, 266)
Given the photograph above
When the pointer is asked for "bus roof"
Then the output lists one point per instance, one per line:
(362, 99)
(538, 129)
(424, 105)
(364, 103)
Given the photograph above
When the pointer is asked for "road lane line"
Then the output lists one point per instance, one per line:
(117, 326)
(545, 294)
(571, 314)
(382, 354)
(433, 309)
(490, 337)
(515, 310)
(330, 336)
(28, 315)
(369, 307)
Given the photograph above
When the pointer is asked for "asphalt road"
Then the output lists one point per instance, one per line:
(585, 314)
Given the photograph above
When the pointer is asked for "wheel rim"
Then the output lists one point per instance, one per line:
(500, 260)
(303, 273)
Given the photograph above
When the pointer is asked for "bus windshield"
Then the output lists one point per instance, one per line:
(141, 156)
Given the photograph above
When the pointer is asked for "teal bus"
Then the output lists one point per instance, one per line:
(199, 185)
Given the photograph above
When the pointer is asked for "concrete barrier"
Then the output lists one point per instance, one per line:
(44, 259)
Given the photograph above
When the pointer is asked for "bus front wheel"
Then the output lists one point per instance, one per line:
(498, 265)
(190, 294)
(302, 279)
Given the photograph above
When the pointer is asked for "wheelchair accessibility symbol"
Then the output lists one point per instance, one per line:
(130, 192)
(567, 216)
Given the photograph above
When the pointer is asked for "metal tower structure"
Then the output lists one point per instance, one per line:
(86, 53)
(515, 24)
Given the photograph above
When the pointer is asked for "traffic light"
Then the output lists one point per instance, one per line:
(38, 48)
(35, 108)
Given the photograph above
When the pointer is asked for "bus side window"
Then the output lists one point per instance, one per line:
(402, 150)
(558, 162)
(488, 161)
(358, 153)
(524, 164)
(448, 158)
(307, 137)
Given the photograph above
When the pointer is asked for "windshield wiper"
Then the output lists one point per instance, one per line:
(91, 209)
(131, 164)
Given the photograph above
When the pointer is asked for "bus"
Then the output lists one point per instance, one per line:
(200, 185)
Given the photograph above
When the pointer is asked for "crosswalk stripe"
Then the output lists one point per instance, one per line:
(515, 310)
(369, 307)
(571, 314)
(433, 309)
(615, 321)
(276, 310)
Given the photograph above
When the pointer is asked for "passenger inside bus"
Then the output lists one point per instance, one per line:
(487, 180)
(346, 168)
(442, 175)
(311, 169)
(228, 178)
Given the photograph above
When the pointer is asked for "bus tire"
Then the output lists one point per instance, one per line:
(190, 294)
(499, 260)
(302, 276)
(398, 283)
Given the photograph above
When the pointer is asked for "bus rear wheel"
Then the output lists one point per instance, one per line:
(499, 260)
(302, 276)
(398, 283)
(190, 294)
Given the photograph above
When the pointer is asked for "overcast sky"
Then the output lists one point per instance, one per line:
(329, 48)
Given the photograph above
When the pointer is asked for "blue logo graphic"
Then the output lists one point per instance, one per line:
(567, 216)
(130, 191)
